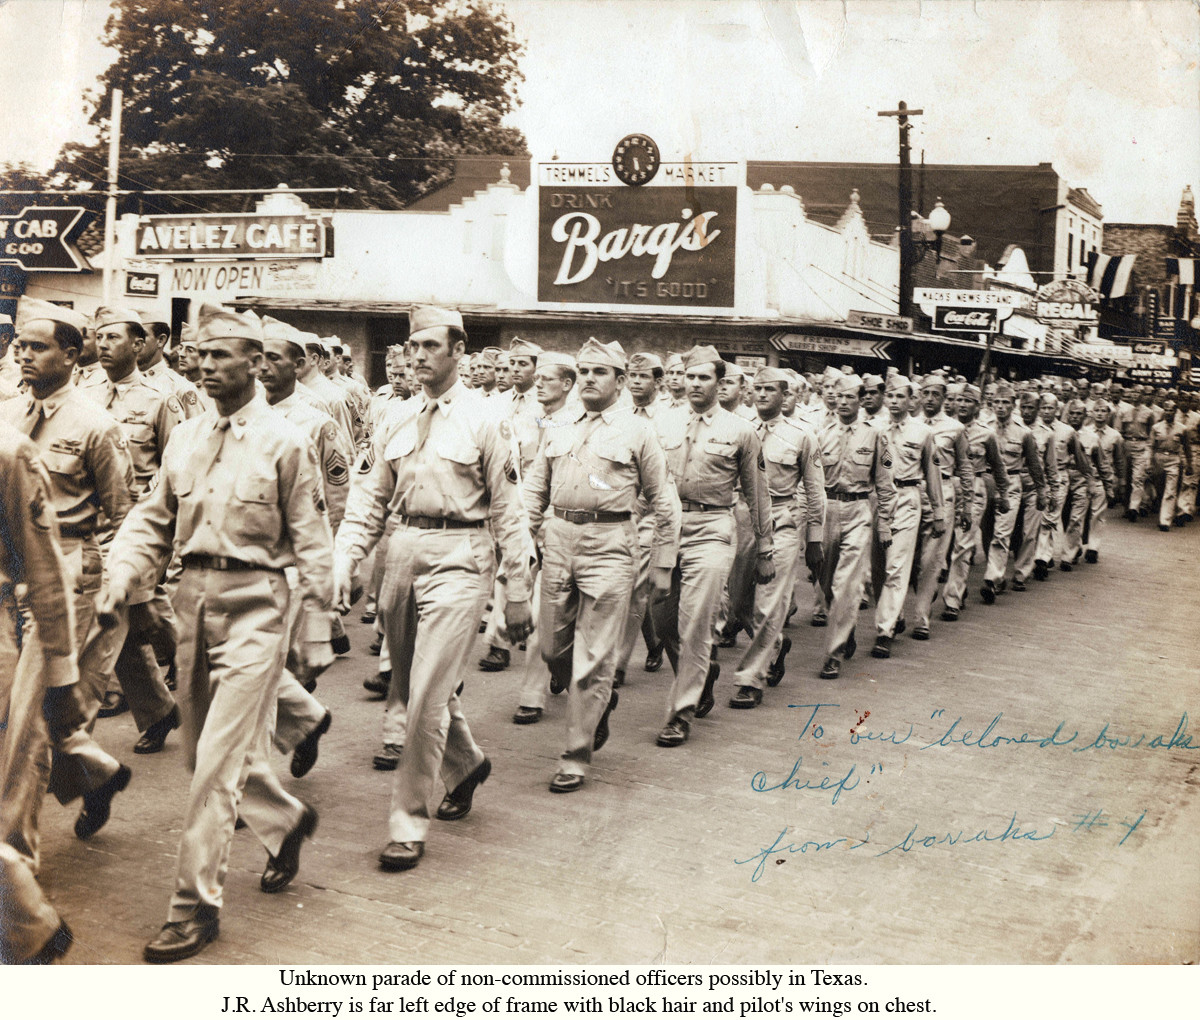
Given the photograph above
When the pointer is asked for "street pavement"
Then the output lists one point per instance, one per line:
(884, 832)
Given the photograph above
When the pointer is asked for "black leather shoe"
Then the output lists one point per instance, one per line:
(654, 657)
(495, 660)
(564, 782)
(883, 647)
(601, 737)
(457, 803)
(1164, 527)
(746, 697)
(920, 634)
(673, 734)
(170, 679)
(820, 620)
(309, 685)
(1091, 556)
(180, 939)
(707, 701)
(727, 637)
(850, 647)
(388, 759)
(401, 856)
(305, 755)
(775, 673)
(618, 678)
(376, 646)
(526, 716)
(988, 593)
(900, 627)
(55, 948)
(340, 645)
(379, 683)
(1131, 515)
(1065, 567)
(98, 804)
(831, 670)
(113, 704)
(949, 614)
(155, 737)
(283, 866)
(1019, 585)
(560, 676)
(1040, 570)
(368, 616)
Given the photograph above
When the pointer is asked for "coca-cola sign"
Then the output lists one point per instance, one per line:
(953, 318)
(637, 246)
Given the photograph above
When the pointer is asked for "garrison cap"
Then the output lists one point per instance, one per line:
(899, 382)
(830, 375)
(556, 358)
(706, 355)
(274, 329)
(771, 374)
(34, 308)
(490, 356)
(524, 348)
(674, 361)
(971, 392)
(219, 323)
(187, 333)
(872, 382)
(1003, 391)
(643, 361)
(848, 383)
(312, 342)
(157, 316)
(596, 353)
(734, 371)
(110, 315)
(933, 379)
(429, 317)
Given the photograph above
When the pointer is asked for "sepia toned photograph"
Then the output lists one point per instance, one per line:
(657, 484)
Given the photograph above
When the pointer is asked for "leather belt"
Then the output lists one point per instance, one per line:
(203, 561)
(780, 500)
(904, 482)
(592, 516)
(437, 523)
(846, 497)
(690, 507)
(76, 530)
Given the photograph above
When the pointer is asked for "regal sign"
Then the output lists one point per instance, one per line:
(232, 236)
(1067, 301)
(663, 245)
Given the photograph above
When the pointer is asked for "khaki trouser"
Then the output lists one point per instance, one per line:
(771, 601)
(588, 572)
(1187, 489)
(1078, 500)
(737, 601)
(1138, 451)
(537, 674)
(1050, 533)
(684, 616)
(847, 544)
(965, 544)
(233, 640)
(933, 558)
(906, 524)
(1172, 465)
(435, 586)
(1002, 532)
(297, 713)
(639, 601)
(1031, 528)
(1098, 508)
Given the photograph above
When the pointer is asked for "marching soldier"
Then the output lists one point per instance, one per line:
(1033, 518)
(155, 371)
(87, 462)
(239, 497)
(445, 471)
(1168, 440)
(856, 462)
(796, 486)
(313, 388)
(674, 392)
(708, 450)
(915, 472)
(591, 472)
(1189, 413)
(1136, 431)
(1072, 484)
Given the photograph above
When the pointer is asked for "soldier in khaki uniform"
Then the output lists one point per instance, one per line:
(585, 483)
(239, 497)
(1136, 431)
(1072, 484)
(445, 470)
(156, 373)
(674, 392)
(1170, 450)
(1112, 456)
(857, 463)
(796, 485)
(917, 477)
(86, 459)
(31, 930)
(709, 450)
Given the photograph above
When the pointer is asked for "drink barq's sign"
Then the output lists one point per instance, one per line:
(666, 245)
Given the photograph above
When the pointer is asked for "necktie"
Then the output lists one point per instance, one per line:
(693, 430)
(424, 419)
(112, 395)
(34, 417)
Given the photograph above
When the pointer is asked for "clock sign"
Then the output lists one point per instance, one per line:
(635, 159)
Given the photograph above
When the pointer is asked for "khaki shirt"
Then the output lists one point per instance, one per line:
(605, 462)
(523, 411)
(85, 455)
(794, 471)
(856, 460)
(910, 445)
(337, 404)
(1168, 440)
(953, 450)
(1019, 449)
(172, 384)
(709, 455)
(333, 450)
(985, 454)
(463, 472)
(1069, 452)
(250, 490)
(1140, 421)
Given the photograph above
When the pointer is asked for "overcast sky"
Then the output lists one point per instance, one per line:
(1106, 90)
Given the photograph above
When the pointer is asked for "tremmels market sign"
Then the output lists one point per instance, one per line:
(669, 243)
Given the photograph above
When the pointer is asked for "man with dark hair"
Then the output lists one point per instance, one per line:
(87, 462)
(156, 373)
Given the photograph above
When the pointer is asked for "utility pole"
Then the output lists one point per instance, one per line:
(906, 207)
(110, 206)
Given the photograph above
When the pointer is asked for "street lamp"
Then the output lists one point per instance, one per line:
(932, 229)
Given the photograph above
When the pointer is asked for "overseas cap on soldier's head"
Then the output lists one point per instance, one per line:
(29, 309)
(1003, 391)
(899, 382)
(872, 382)
(215, 322)
(157, 316)
(558, 358)
(771, 374)
(706, 355)
(274, 329)
(674, 361)
(426, 318)
(970, 392)
(734, 371)
(643, 361)
(111, 315)
(933, 380)
(848, 384)
(830, 375)
(523, 348)
(595, 353)
(490, 356)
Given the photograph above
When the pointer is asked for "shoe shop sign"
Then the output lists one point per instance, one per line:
(670, 243)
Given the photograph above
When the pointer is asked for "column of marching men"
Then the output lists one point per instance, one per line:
(187, 553)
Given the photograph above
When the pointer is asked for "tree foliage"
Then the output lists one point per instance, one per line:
(377, 95)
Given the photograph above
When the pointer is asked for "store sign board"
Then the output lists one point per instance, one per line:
(653, 245)
(880, 320)
(1067, 301)
(240, 277)
(41, 239)
(233, 236)
(141, 284)
(1152, 375)
(687, 173)
(810, 343)
(965, 319)
(1147, 346)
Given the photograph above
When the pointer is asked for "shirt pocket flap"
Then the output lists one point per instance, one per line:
(62, 463)
(720, 448)
(401, 444)
(557, 445)
(256, 488)
(139, 433)
(786, 456)
(459, 450)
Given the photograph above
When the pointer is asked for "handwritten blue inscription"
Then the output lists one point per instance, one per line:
(759, 782)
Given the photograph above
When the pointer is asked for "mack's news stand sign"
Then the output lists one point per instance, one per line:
(671, 242)
(965, 311)
(42, 239)
(231, 236)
